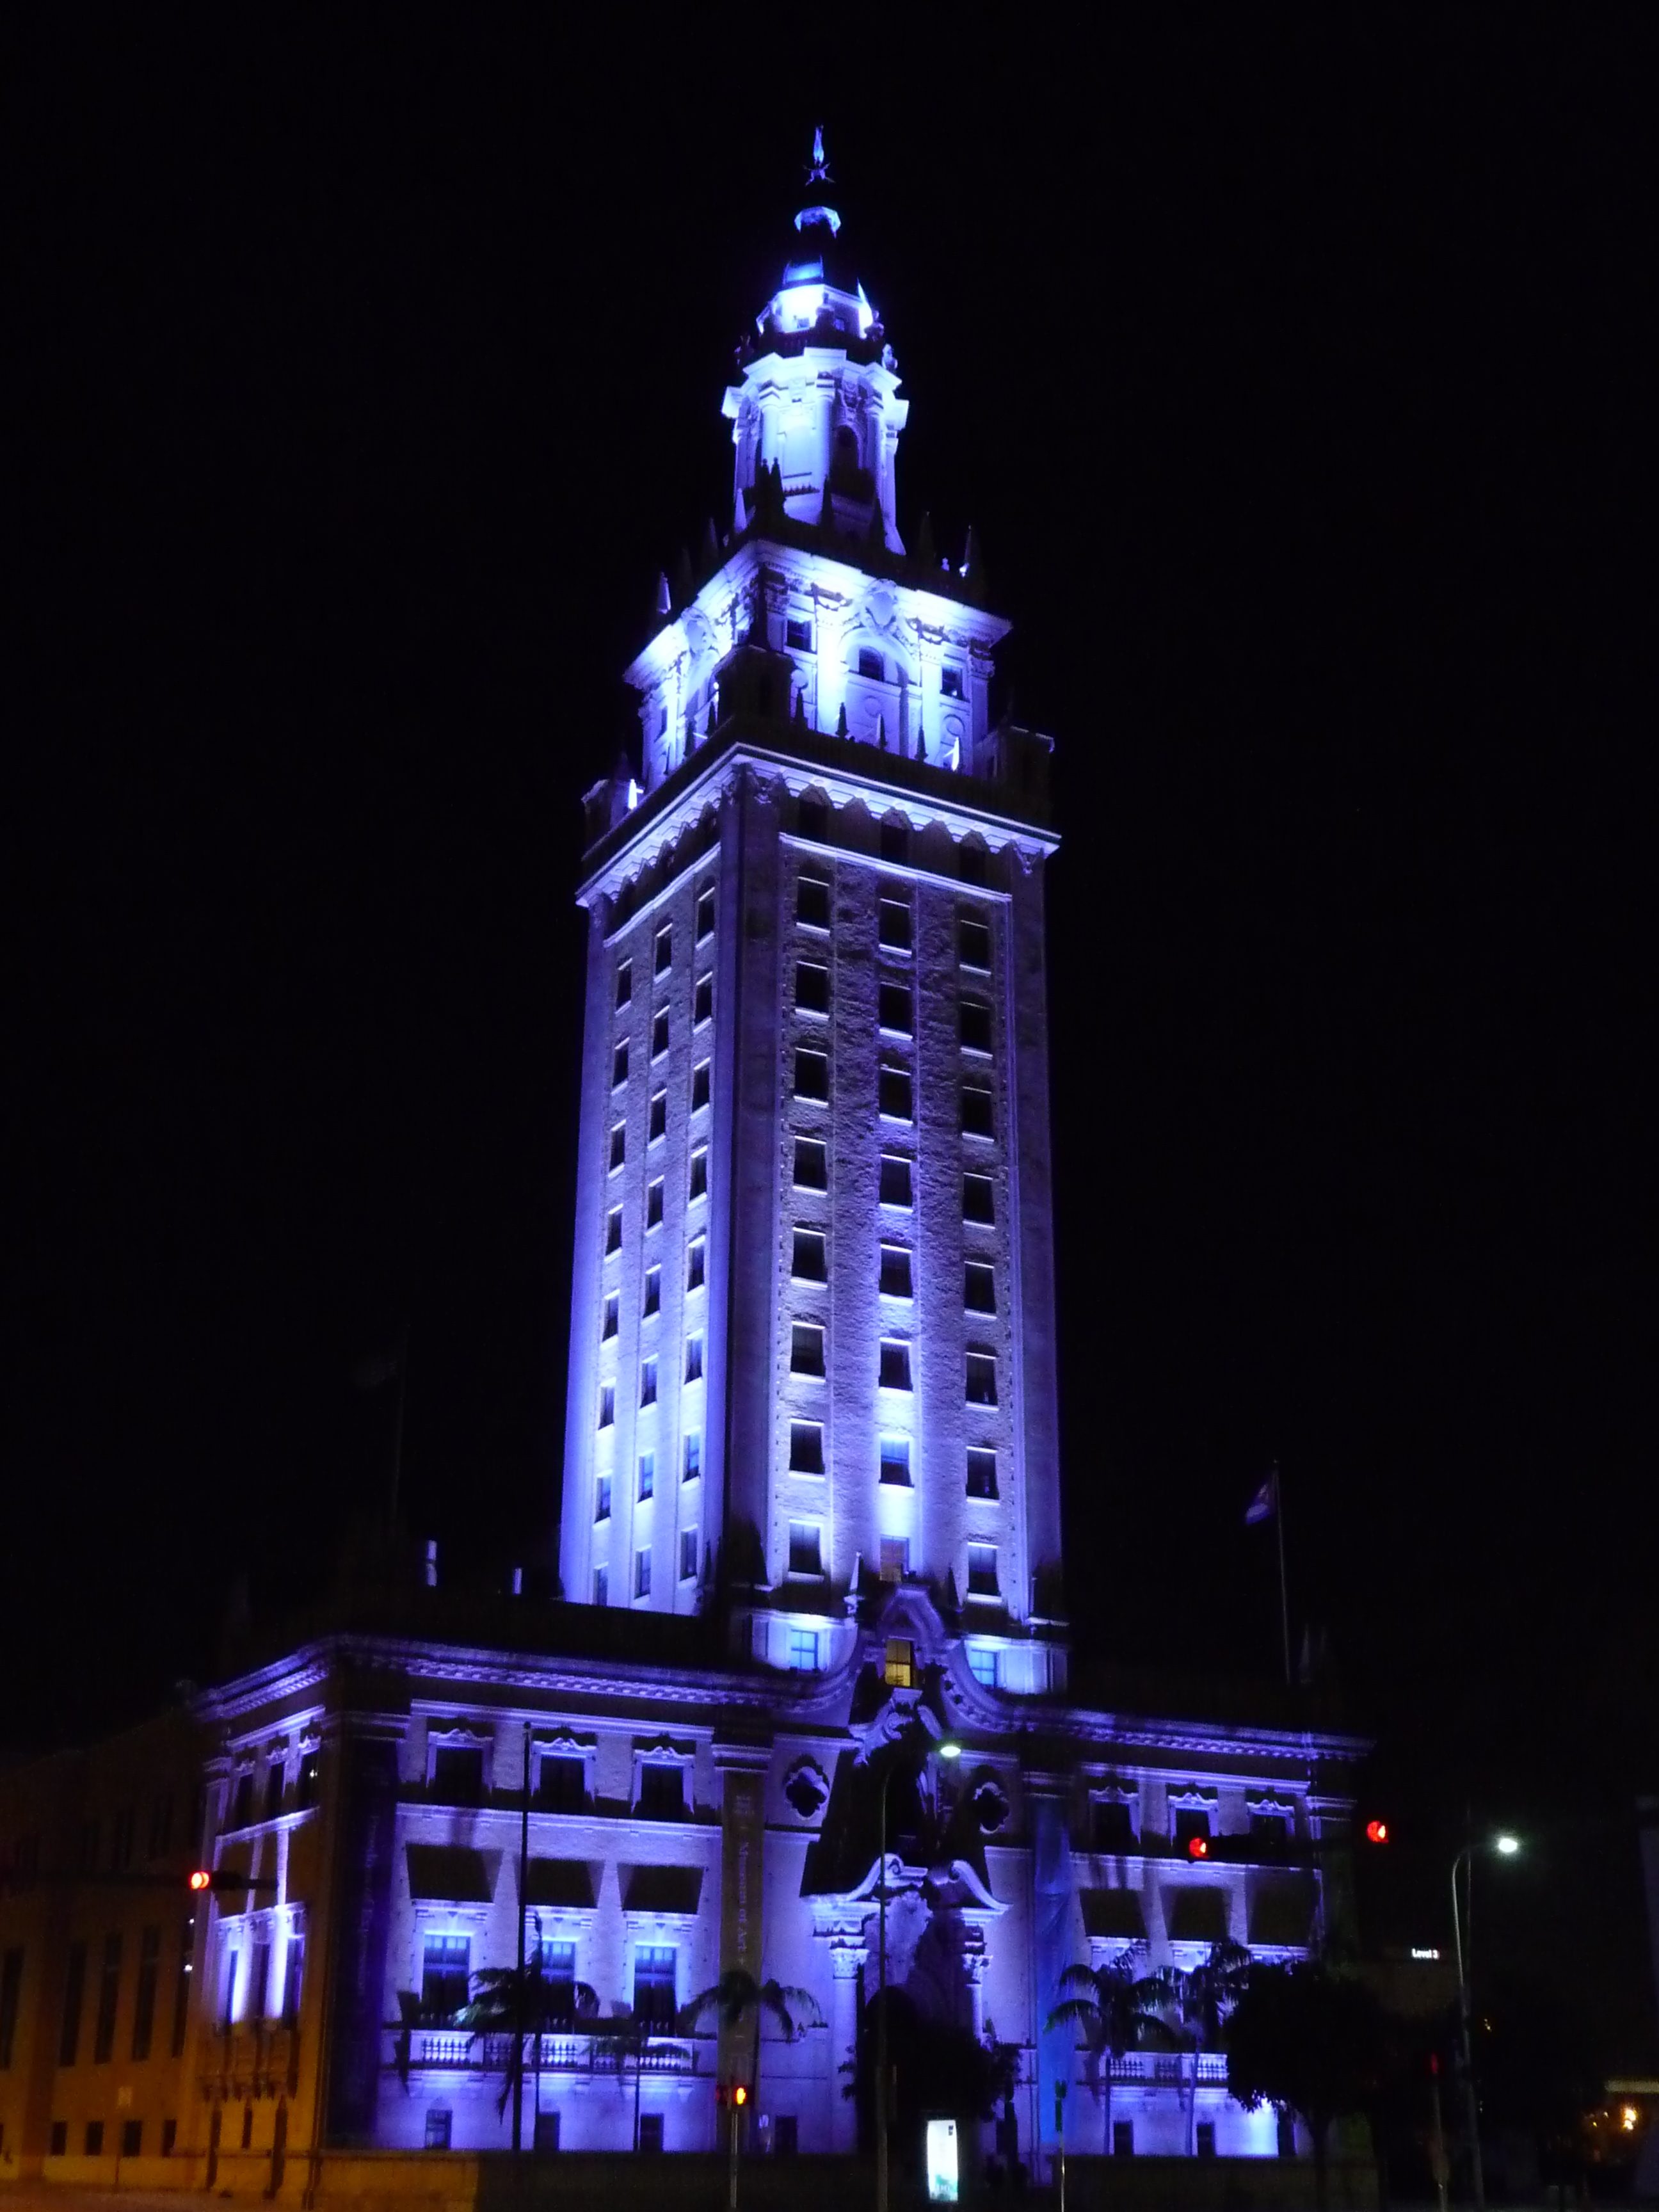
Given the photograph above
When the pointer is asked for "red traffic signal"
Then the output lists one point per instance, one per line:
(1198, 1847)
(1376, 1832)
(201, 1879)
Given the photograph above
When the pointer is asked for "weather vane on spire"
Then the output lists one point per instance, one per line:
(817, 170)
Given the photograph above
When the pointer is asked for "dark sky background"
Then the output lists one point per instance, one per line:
(1298, 369)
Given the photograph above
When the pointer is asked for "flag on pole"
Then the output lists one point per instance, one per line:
(1265, 1505)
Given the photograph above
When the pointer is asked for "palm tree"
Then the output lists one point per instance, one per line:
(1206, 1995)
(507, 2002)
(1120, 2006)
(627, 2034)
(735, 1995)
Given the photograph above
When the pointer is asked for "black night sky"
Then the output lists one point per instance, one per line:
(1296, 367)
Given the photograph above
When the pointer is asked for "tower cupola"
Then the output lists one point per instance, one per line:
(819, 398)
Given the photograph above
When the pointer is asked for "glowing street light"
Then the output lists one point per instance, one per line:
(1504, 1846)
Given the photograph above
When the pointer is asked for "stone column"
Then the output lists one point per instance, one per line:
(847, 1956)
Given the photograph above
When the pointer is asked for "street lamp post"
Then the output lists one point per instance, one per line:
(1506, 1847)
(945, 1748)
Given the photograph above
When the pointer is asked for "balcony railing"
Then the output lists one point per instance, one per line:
(455, 2051)
(1171, 2069)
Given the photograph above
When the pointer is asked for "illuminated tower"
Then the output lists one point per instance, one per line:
(812, 1329)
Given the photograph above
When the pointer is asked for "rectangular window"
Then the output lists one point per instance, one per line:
(458, 1774)
(653, 1991)
(275, 1780)
(786, 2131)
(109, 1992)
(694, 1357)
(871, 664)
(702, 1003)
(805, 1348)
(812, 1074)
(665, 953)
(950, 683)
(624, 983)
(144, 2009)
(294, 1980)
(981, 1378)
(642, 1571)
(662, 1789)
(798, 635)
(804, 1649)
(693, 1466)
(1191, 1822)
(894, 927)
(182, 1976)
(895, 1558)
(438, 2121)
(1269, 1830)
(896, 840)
(896, 1460)
(979, 1287)
(446, 1973)
(894, 1373)
(305, 1787)
(807, 1447)
(258, 1983)
(973, 941)
(688, 1555)
(978, 1118)
(607, 1404)
(227, 1988)
(894, 1179)
(659, 1033)
(601, 1585)
(654, 1203)
(619, 1067)
(561, 1782)
(898, 1661)
(648, 1382)
(132, 2138)
(57, 2140)
(652, 1290)
(982, 1472)
(1204, 2134)
(11, 1990)
(982, 1664)
(893, 1093)
(696, 1262)
(1111, 1823)
(981, 1571)
(813, 902)
(974, 1020)
(812, 1164)
(169, 2136)
(811, 987)
(1123, 2138)
(658, 1125)
(618, 1147)
(94, 2139)
(613, 1229)
(647, 1485)
(812, 818)
(651, 2134)
(894, 1008)
(806, 1548)
(894, 1277)
(978, 1199)
(698, 1184)
(705, 913)
(808, 1261)
(700, 1085)
(612, 1316)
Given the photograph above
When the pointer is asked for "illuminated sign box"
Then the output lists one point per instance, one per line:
(941, 2161)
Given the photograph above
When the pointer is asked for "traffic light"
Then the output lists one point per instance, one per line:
(1198, 1847)
(740, 2095)
(201, 1879)
(1376, 1832)
(219, 1879)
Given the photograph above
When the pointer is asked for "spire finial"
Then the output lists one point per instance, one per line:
(817, 170)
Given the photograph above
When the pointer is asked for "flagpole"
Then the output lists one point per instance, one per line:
(1283, 1592)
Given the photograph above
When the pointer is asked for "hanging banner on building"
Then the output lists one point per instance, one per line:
(742, 1844)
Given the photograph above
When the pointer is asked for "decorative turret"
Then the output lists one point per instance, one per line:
(819, 403)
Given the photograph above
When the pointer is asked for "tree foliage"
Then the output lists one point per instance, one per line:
(1311, 2041)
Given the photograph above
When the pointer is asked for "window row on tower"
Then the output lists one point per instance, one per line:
(896, 844)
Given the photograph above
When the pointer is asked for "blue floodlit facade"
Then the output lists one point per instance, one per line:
(811, 1507)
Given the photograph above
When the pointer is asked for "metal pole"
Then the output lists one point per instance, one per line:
(731, 2190)
(881, 2010)
(1471, 2101)
(519, 2008)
